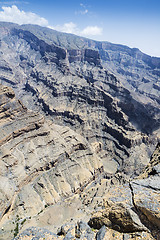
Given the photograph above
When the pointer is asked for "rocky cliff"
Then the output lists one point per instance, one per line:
(41, 163)
(51, 175)
(78, 140)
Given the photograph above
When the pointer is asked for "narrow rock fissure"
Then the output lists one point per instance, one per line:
(6, 211)
(132, 193)
(149, 187)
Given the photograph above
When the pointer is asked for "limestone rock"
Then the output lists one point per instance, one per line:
(101, 233)
(146, 192)
(95, 123)
(64, 229)
(41, 163)
(83, 231)
(37, 233)
(106, 233)
(118, 217)
(78, 83)
(68, 236)
(147, 201)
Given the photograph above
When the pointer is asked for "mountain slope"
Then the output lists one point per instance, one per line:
(41, 163)
(51, 176)
(92, 125)
(74, 88)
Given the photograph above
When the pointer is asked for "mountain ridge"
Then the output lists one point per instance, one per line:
(33, 27)
(78, 142)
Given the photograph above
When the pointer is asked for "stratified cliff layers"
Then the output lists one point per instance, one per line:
(76, 142)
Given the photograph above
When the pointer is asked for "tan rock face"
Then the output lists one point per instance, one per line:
(84, 234)
(134, 207)
(146, 190)
(106, 233)
(41, 163)
(119, 216)
(98, 134)
(69, 82)
(44, 165)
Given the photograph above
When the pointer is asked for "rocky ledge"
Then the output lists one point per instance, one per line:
(126, 212)
(41, 163)
(53, 184)
(78, 164)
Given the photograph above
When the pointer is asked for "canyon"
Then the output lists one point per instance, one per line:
(79, 139)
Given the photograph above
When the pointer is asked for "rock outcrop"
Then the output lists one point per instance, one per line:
(133, 207)
(41, 163)
(146, 192)
(71, 87)
(76, 148)
(51, 175)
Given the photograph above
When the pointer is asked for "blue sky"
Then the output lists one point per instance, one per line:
(135, 23)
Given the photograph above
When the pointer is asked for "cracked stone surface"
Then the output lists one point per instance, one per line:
(79, 129)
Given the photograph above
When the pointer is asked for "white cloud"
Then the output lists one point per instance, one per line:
(66, 27)
(92, 31)
(13, 14)
(72, 28)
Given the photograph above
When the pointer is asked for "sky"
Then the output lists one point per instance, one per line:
(135, 23)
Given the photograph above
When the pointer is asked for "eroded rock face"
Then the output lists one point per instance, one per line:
(85, 234)
(146, 190)
(67, 79)
(41, 163)
(133, 207)
(93, 129)
(37, 233)
(49, 170)
(105, 233)
(118, 217)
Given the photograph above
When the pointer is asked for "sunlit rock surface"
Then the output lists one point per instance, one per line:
(79, 122)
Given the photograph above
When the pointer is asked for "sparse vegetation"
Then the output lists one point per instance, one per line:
(23, 221)
(16, 230)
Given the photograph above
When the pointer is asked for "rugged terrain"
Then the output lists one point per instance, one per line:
(76, 149)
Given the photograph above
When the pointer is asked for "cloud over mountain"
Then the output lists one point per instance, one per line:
(13, 14)
(73, 28)
(92, 31)
(69, 27)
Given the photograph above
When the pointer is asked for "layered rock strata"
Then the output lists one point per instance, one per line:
(72, 88)
(41, 163)
(124, 210)
(101, 105)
